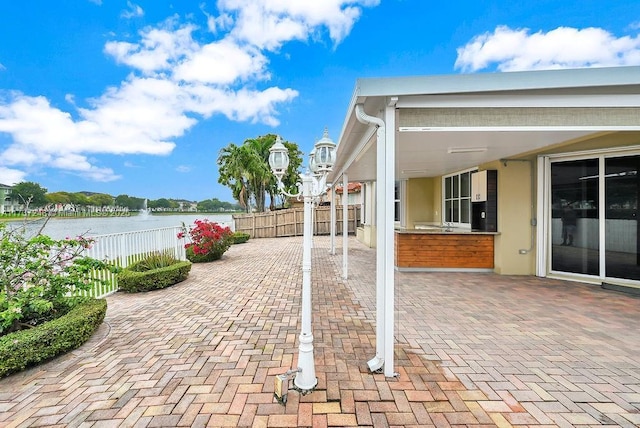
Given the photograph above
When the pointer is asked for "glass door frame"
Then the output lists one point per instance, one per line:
(544, 252)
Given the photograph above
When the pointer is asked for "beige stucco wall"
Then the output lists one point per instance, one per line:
(421, 206)
(601, 141)
(367, 235)
(514, 218)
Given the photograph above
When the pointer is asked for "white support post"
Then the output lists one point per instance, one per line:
(345, 226)
(389, 241)
(332, 233)
(542, 228)
(378, 362)
(313, 221)
(306, 379)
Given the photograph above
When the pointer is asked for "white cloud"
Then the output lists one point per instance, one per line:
(215, 24)
(563, 47)
(45, 135)
(10, 176)
(268, 24)
(2, 67)
(183, 168)
(133, 11)
(79, 164)
(98, 2)
(175, 81)
(159, 50)
(222, 63)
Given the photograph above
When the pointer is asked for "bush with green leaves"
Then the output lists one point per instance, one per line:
(155, 260)
(25, 348)
(157, 270)
(38, 276)
(208, 240)
(240, 237)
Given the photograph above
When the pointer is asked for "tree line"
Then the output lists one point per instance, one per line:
(35, 196)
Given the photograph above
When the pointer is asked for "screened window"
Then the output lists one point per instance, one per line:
(457, 199)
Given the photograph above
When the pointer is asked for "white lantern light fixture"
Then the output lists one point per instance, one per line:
(279, 159)
(313, 166)
(325, 150)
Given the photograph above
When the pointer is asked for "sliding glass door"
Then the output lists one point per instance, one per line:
(594, 217)
(574, 217)
(621, 224)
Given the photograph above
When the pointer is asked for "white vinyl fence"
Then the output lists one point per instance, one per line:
(123, 249)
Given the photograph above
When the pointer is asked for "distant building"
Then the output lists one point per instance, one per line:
(354, 194)
(7, 204)
(188, 206)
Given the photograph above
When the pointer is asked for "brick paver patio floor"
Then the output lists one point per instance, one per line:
(472, 350)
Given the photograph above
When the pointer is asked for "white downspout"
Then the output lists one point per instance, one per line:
(381, 223)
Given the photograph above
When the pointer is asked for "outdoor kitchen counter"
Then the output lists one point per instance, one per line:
(434, 248)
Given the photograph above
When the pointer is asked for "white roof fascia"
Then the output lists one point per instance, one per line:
(498, 82)
(519, 101)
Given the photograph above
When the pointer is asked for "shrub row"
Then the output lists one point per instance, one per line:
(240, 237)
(26, 348)
(131, 281)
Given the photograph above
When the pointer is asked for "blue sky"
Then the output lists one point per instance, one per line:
(138, 97)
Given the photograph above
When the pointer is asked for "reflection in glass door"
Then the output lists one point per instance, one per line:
(575, 239)
(621, 226)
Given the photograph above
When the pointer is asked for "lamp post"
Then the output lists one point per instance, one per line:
(311, 186)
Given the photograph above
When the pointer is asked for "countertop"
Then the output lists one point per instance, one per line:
(435, 230)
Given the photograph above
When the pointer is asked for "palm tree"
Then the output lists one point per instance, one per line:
(245, 169)
(232, 173)
(263, 180)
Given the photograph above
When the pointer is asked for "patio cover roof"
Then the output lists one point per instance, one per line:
(451, 122)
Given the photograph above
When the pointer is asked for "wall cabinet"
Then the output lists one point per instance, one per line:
(484, 201)
(479, 186)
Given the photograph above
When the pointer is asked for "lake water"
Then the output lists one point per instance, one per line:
(59, 228)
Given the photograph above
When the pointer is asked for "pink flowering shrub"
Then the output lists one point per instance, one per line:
(208, 240)
(40, 277)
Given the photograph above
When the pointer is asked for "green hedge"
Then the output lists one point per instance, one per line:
(240, 237)
(203, 258)
(133, 282)
(26, 348)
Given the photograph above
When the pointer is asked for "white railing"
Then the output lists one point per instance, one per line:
(123, 249)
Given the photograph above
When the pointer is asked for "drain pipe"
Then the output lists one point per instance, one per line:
(370, 120)
(534, 221)
(377, 362)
